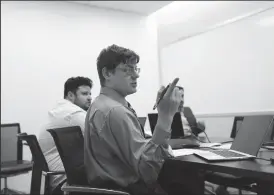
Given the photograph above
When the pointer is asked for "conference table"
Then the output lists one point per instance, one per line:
(262, 171)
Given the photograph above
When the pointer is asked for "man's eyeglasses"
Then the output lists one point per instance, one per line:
(130, 70)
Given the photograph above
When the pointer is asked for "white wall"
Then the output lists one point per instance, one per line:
(193, 43)
(228, 69)
(217, 127)
(44, 43)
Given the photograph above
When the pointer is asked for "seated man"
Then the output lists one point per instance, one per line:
(115, 148)
(116, 151)
(70, 111)
(190, 124)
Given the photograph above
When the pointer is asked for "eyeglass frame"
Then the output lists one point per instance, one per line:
(129, 70)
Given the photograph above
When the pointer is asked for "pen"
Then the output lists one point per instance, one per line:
(160, 98)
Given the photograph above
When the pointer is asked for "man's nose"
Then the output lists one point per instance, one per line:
(135, 75)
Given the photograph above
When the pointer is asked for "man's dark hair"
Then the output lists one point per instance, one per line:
(112, 56)
(73, 83)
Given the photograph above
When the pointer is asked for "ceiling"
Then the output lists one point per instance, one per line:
(187, 19)
(139, 7)
(180, 19)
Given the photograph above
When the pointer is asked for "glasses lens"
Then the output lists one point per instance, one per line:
(132, 70)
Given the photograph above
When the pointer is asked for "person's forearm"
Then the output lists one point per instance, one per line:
(162, 131)
(151, 161)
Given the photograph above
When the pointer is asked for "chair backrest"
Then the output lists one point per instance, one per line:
(238, 120)
(11, 146)
(191, 119)
(69, 142)
(270, 133)
(142, 121)
(39, 161)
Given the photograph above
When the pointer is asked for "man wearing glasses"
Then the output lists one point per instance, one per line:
(116, 151)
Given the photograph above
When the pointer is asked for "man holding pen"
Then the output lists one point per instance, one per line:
(116, 151)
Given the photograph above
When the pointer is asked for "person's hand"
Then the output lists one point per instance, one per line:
(187, 132)
(169, 104)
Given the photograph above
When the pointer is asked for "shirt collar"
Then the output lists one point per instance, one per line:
(114, 95)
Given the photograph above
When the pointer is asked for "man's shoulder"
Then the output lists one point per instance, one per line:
(69, 106)
(101, 110)
(63, 108)
(62, 115)
(105, 104)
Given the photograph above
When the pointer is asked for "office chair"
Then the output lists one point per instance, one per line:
(226, 180)
(236, 125)
(142, 121)
(272, 134)
(269, 139)
(40, 171)
(191, 119)
(70, 145)
(12, 155)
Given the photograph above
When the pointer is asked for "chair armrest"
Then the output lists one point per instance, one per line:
(268, 143)
(196, 130)
(228, 180)
(207, 191)
(88, 189)
(44, 185)
(53, 173)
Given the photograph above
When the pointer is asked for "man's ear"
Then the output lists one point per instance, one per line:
(71, 96)
(106, 73)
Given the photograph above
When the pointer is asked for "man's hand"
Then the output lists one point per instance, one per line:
(168, 106)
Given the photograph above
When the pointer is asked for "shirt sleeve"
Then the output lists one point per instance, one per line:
(145, 157)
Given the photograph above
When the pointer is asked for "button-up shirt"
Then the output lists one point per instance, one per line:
(65, 113)
(186, 126)
(115, 148)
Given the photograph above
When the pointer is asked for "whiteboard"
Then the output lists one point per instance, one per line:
(227, 70)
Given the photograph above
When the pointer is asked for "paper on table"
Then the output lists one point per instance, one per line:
(207, 145)
(184, 152)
